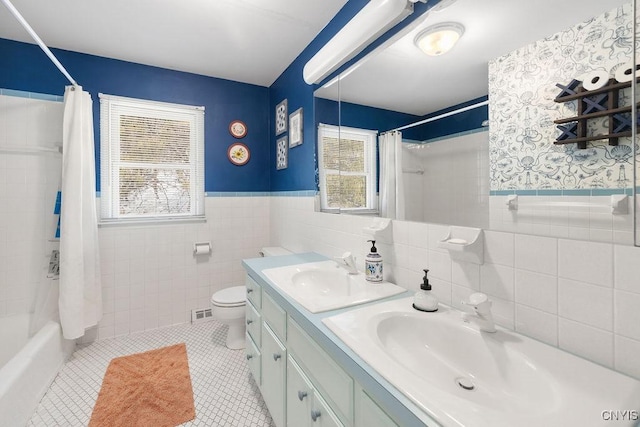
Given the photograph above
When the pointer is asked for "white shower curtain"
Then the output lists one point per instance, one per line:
(80, 299)
(391, 198)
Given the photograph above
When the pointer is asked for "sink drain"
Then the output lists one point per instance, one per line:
(465, 383)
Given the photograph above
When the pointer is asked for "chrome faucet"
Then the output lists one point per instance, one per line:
(482, 318)
(348, 262)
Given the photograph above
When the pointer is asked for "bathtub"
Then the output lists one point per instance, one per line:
(27, 366)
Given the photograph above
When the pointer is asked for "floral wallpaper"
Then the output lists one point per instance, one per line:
(522, 86)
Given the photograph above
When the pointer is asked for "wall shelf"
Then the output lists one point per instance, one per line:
(605, 101)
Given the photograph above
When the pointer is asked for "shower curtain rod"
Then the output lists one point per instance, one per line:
(441, 116)
(38, 40)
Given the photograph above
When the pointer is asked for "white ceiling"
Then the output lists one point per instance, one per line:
(251, 41)
(402, 78)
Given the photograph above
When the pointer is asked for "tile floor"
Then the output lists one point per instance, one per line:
(224, 391)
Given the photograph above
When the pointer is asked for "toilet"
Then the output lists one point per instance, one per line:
(228, 306)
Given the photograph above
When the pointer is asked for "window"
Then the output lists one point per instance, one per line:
(347, 169)
(152, 160)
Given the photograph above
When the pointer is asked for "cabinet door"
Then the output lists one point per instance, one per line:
(321, 415)
(299, 395)
(369, 414)
(253, 359)
(274, 365)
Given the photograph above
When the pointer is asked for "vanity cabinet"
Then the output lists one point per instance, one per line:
(301, 384)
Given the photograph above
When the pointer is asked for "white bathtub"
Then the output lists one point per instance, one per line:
(27, 366)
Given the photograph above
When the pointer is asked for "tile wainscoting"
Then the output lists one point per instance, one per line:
(151, 278)
(580, 296)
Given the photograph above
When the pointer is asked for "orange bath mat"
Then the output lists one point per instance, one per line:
(146, 389)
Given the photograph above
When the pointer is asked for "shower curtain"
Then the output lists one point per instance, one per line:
(80, 300)
(391, 200)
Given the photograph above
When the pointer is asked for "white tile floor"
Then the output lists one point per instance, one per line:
(224, 391)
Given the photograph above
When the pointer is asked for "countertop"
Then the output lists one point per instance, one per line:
(392, 401)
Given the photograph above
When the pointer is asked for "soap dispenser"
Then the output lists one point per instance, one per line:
(424, 300)
(373, 264)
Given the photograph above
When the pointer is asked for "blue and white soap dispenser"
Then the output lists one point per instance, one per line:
(373, 264)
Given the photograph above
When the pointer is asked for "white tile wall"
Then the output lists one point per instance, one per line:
(151, 278)
(594, 223)
(455, 177)
(579, 296)
(28, 186)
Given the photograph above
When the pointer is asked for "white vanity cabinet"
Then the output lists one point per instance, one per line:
(301, 384)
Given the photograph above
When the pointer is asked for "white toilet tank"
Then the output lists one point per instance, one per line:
(273, 251)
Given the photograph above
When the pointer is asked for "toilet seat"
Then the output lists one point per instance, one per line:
(230, 297)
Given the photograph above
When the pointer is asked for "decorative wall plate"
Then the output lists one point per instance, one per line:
(238, 129)
(238, 154)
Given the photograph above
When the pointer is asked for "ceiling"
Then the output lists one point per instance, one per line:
(391, 78)
(251, 41)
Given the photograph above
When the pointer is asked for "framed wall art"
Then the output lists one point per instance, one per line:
(295, 128)
(281, 117)
(282, 153)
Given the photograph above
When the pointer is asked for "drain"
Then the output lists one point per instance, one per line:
(465, 383)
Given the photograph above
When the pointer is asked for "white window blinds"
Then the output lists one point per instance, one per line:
(151, 160)
(347, 168)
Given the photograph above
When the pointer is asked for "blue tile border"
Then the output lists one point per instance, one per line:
(576, 192)
(31, 95)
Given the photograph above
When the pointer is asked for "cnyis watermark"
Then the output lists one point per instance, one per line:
(621, 415)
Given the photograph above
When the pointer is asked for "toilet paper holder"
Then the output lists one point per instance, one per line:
(202, 248)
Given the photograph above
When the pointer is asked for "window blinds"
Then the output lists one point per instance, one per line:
(152, 159)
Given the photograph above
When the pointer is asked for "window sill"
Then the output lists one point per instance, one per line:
(151, 221)
(372, 212)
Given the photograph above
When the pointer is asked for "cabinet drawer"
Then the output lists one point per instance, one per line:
(253, 359)
(253, 320)
(254, 292)
(369, 414)
(275, 316)
(334, 384)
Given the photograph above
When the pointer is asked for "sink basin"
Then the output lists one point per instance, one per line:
(322, 286)
(463, 377)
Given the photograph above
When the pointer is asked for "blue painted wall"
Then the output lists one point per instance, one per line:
(25, 67)
(300, 175)
(459, 122)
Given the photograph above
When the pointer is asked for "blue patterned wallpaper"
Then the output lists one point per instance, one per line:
(522, 86)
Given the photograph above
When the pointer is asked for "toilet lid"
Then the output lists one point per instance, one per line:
(236, 295)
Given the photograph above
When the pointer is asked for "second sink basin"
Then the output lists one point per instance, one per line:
(322, 286)
(463, 377)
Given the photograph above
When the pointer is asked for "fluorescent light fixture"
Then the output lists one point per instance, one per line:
(440, 38)
(372, 21)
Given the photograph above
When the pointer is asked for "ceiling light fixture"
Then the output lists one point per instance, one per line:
(439, 39)
(372, 21)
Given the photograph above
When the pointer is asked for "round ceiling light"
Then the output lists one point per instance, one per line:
(439, 39)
